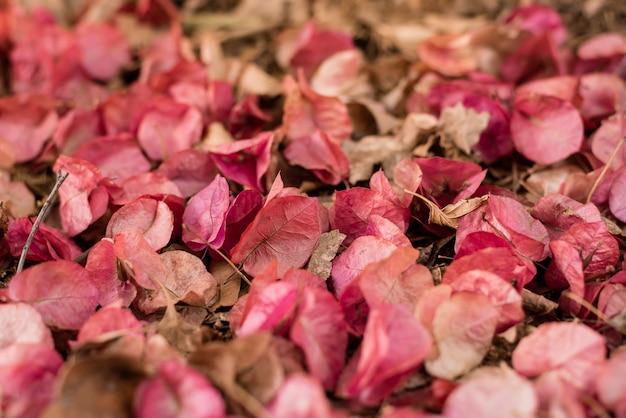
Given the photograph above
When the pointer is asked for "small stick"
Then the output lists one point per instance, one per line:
(42, 214)
(605, 169)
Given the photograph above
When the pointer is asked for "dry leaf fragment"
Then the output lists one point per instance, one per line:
(450, 214)
(462, 126)
(320, 262)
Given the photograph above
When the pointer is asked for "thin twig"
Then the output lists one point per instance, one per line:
(605, 169)
(42, 214)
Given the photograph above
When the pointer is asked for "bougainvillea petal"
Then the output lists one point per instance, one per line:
(617, 202)
(272, 306)
(490, 392)
(352, 208)
(61, 291)
(571, 349)
(394, 345)
(27, 122)
(318, 153)
(178, 390)
(463, 327)
(509, 218)
(139, 260)
(320, 331)
(27, 378)
(546, 129)
(205, 216)
(109, 319)
(78, 209)
(168, 127)
(287, 229)
(610, 386)
(350, 263)
(22, 324)
(48, 243)
(151, 218)
(447, 181)
(103, 50)
(245, 161)
(501, 295)
(102, 267)
(191, 170)
(186, 280)
(289, 401)
(452, 55)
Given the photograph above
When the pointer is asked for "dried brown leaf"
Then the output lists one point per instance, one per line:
(320, 262)
(462, 126)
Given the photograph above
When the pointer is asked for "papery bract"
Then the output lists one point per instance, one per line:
(491, 392)
(506, 216)
(77, 127)
(168, 127)
(546, 129)
(149, 217)
(139, 260)
(570, 349)
(320, 154)
(395, 279)
(607, 138)
(240, 214)
(146, 184)
(245, 161)
(102, 267)
(350, 263)
(22, 324)
(503, 261)
(407, 175)
(610, 385)
(306, 111)
(602, 95)
(617, 203)
(598, 248)
(204, 219)
(337, 73)
(559, 213)
(558, 397)
(270, 307)
(287, 229)
(103, 50)
(352, 208)
(450, 54)
(448, 181)
(383, 228)
(320, 331)
(178, 391)
(61, 291)
(289, 401)
(501, 295)
(118, 157)
(27, 378)
(27, 122)
(191, 170)
(109, 319)
(246, 118)
(310, 47)
(83, 199)
(48, 243)
(186, 280)
(394, 345)
(462, 327)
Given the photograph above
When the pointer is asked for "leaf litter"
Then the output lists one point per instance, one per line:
(312, 209)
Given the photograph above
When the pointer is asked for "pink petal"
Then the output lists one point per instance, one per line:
(451, 55)
(570, 349)
(534, 132)
(104, 50)
(394, 345)
(271, 307)
(151, 218)
(321, 155)
(610, 384)
(492, 392)
(320, 331)
(501, 295)
(287, 229)
(204, 219)
(448, 181)
(22, 324)
(463, 328)
(102, 267)
(289, 401)
(178, 391)
(62, 292)
(191, 170)
(108, 320)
